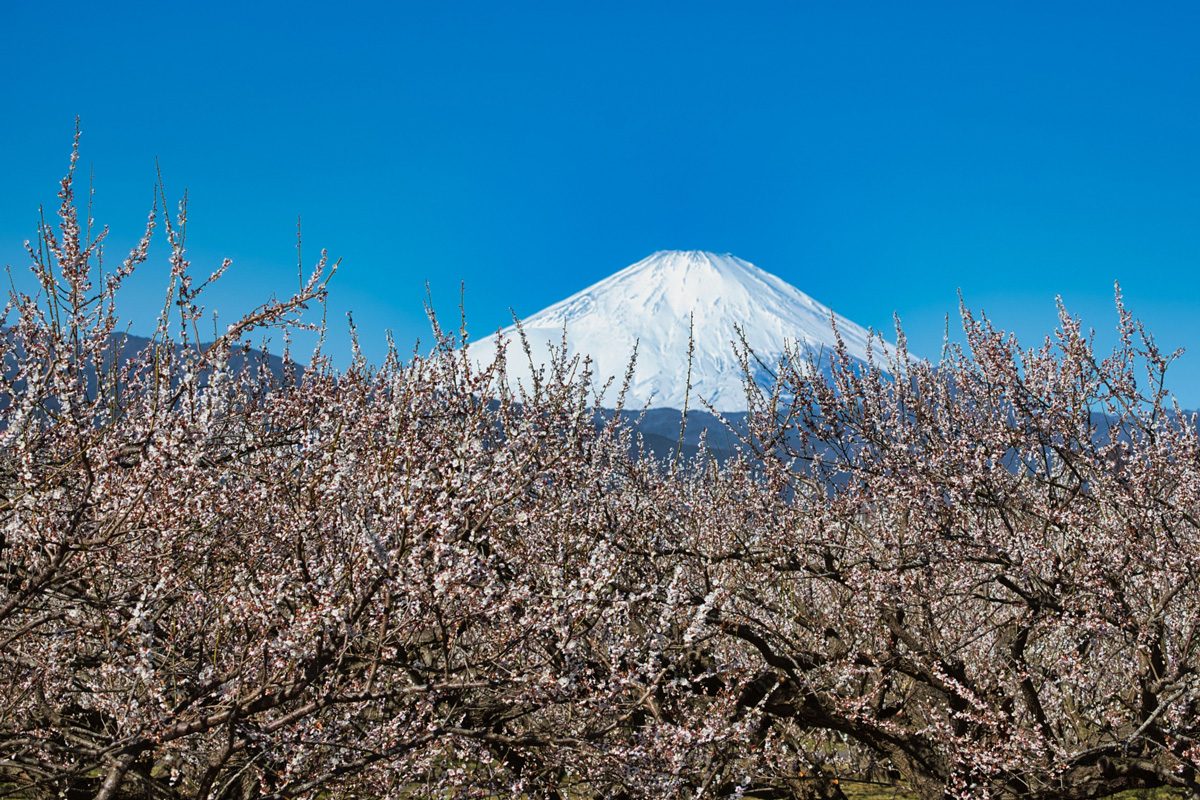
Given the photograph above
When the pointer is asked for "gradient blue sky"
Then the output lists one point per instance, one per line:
(880, 156)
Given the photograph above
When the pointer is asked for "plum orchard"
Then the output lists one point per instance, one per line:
(413, 580)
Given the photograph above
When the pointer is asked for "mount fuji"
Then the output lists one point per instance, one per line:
(653, 303)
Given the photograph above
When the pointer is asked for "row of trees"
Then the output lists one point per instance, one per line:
(415, 580)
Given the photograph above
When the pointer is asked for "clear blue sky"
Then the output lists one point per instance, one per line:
(880, 156)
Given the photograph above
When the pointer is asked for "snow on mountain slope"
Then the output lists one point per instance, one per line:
(649, 303)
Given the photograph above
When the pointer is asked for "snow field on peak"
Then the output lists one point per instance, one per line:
(654, 304)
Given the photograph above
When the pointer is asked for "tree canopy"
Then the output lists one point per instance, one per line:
(979, 577)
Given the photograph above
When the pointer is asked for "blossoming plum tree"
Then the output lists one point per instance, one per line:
(414, 579)
(216, 583)
(993, 580)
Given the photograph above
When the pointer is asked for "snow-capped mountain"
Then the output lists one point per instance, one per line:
(649, 303)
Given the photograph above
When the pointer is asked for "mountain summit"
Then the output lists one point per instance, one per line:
(649, 303)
